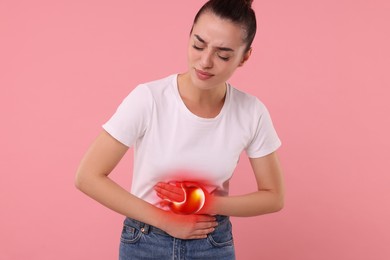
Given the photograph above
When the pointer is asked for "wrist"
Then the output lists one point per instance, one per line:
(161, 219)
(211, 206)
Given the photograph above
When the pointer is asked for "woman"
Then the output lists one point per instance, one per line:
(188, 130)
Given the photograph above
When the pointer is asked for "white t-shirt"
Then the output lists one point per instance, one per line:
(172, 144)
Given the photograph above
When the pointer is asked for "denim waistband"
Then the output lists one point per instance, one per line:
(146, 228)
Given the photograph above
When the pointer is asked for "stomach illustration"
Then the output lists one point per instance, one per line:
(194, 199)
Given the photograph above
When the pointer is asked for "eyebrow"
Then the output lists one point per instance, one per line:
(219, 48)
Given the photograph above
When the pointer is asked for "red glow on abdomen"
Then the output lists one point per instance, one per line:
(194, 199)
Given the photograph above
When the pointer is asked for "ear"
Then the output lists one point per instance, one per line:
(245, 57)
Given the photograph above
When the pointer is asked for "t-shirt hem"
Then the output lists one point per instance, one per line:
(264, 151)
(111, 131)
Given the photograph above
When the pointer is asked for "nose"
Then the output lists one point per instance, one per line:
(207, 59)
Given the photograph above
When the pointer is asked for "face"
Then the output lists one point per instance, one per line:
(216, 48)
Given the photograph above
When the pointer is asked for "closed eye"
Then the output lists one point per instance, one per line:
(219, 56)
(197, 48)
(224, 58)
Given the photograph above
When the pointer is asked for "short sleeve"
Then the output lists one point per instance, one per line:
(265, 139)
(132, 117)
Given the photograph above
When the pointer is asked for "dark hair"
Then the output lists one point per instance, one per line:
(237, 11)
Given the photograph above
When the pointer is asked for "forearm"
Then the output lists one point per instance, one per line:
(92, 179)
(253, 204)
(110, 194)
(113, 196)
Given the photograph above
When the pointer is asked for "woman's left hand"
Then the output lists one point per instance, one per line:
(170, 192)
(184, 197)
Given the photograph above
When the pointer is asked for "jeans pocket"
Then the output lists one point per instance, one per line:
(130, 235)
(222, 236)
(220, 243)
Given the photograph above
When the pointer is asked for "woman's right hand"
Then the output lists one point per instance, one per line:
(188, 226)
(92, 179)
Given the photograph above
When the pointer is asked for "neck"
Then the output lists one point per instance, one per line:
(205, 103)
(210, 96)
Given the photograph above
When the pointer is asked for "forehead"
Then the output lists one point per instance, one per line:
(218, 32)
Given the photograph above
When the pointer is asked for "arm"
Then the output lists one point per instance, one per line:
(268, 197)
(92, 179)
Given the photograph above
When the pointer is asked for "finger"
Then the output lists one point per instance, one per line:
(172, 187)
(175, 183)
(206, 225)
(164, 203)
(198, 234)
(169, 195)
(161, 196)
(173, 195)
(165, 200)
(205, 218)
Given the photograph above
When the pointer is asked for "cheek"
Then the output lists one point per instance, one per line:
(227, 69)
(193, 56)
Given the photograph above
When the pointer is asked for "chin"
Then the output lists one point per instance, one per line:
(204, 84)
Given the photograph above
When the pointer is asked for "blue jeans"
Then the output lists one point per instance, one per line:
(142, 241)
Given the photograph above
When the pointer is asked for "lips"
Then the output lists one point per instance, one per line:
(203, 75)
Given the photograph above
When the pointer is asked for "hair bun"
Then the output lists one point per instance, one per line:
(249, 2)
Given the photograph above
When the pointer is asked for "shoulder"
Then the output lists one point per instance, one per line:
(246, 102)
(160, 91)
(152, 89)
(160, 84)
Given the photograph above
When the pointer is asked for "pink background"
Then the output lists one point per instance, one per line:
(321, 67)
